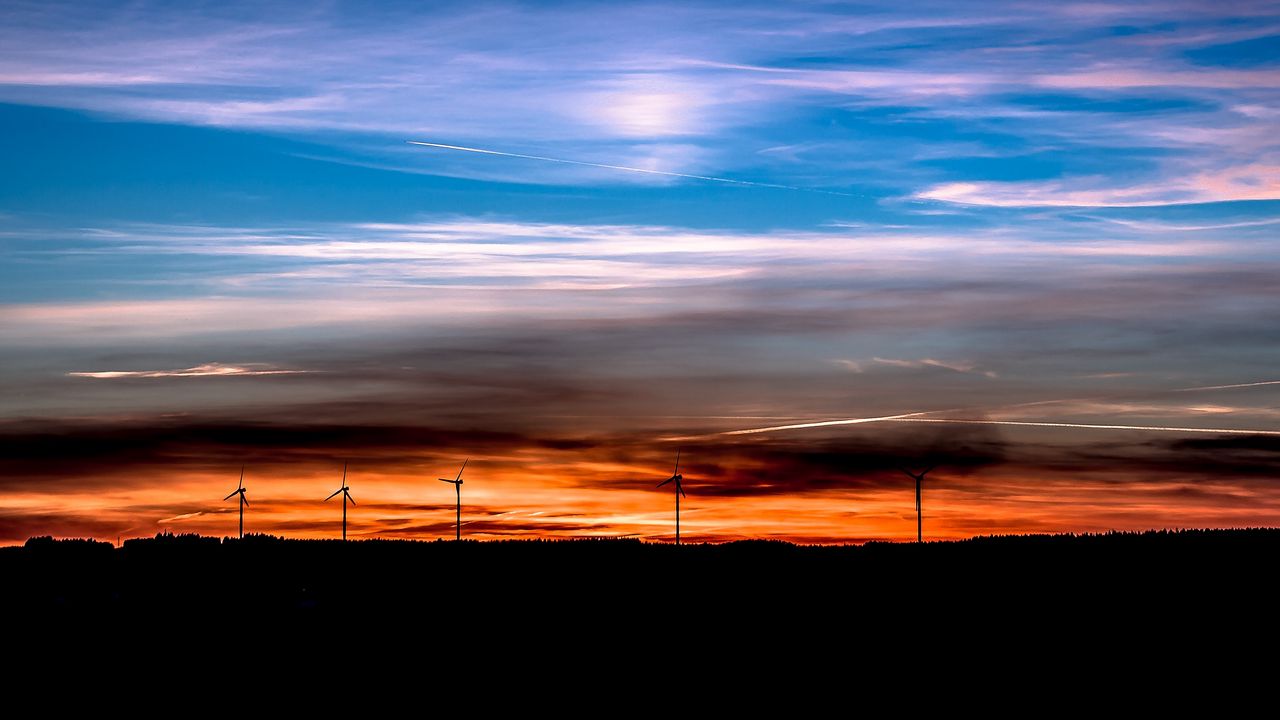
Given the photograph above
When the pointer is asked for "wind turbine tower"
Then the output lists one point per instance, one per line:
(919, 478)
(457, 486)
(676, 478)
(243, 500)
(346, 495)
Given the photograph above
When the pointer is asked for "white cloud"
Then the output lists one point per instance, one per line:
(648, 106)
(953, 365)
(851, 365)
(1126, 78)
(1154, 226)
(180, 518)
(1246, 181)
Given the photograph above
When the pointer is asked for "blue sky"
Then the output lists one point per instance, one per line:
(989, 205)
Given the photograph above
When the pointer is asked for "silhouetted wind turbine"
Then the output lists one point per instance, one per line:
(243, 500)
(919, 481)
(346, 495)
(457, 486)
(676, 477)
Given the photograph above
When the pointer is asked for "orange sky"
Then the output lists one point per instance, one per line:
(534, 493)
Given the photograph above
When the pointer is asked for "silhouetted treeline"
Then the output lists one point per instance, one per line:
(521, 584)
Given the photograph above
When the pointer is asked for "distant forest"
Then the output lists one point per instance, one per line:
(519, 584)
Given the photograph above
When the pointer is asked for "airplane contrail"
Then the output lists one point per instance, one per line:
(1229, 387)
(915, 417)
(1087, 426)
(821, 423)
(626, 168)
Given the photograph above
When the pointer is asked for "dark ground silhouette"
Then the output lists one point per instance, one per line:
(1122, 579)
(769, 614)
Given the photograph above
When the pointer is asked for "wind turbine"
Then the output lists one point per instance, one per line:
(919, 481)
(676, 477)
(346, 495)
(243, 500)
(457, 486)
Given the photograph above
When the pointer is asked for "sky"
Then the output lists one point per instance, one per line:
(806, 244)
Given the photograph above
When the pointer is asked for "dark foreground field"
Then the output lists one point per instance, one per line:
(1112, 576)
(783, 617)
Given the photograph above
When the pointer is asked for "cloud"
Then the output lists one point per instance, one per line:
(602, 488)
(621, 168)
(16, 525)
(794, 465)
(1125, 78)
(1255, 181)
(205, 370)
(898, 86)
(180, 517)
(71, 453)
(953, 365)
(610, 84)
(851, 365)
(649, 105)
(79, 79)
(1161, 227)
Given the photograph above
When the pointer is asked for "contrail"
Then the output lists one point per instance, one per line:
(822, 423)
(629, 169)
(206, 370)
(915, 417)
(1229, 387)
(1087, 426)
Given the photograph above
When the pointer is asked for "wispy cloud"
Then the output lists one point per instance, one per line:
(1254, 181)
(850, 365)
(621, 168)
(1155, 226)
(180, 517)
(379, 274)
(953, 365)
(645, 75)
(1124, 78)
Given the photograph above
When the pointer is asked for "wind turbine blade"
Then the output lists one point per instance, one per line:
(909, 474)
(464, 467)
(335, 492)
(245, 499)
(677, 470)
(353, 500)
(241, 476)
(231, 495)
(664, 482)
(344, 474)
(680, 487)
(926, 472)
(453, 482)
